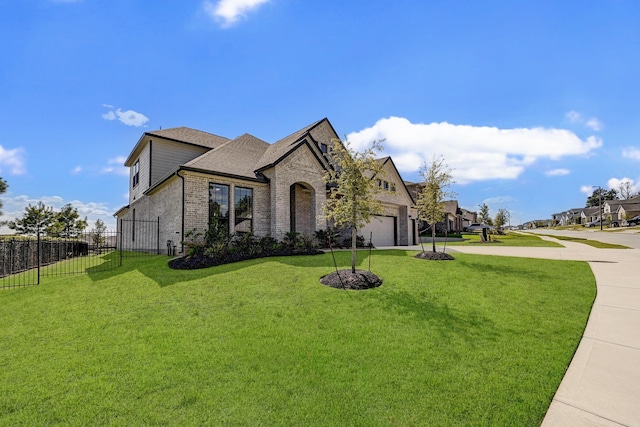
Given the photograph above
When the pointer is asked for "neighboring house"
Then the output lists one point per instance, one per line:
(468, 218)
(618, 210)
(455, 218)
(573, 216)
(557, 218)
(589, 214)
(185, 179)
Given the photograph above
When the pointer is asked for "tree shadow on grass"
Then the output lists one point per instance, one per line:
(534, 268)
(471, 326)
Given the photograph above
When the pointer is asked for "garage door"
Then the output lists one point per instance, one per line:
(383, 229)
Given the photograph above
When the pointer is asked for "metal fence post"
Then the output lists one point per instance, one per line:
(121, 242)
(38, 254)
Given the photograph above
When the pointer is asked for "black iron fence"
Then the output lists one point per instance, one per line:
(25, 260)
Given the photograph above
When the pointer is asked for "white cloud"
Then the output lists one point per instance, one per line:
(76, 170)
(573, 116)
(13, 207)
(129, 117)
(116, 166)
(594, 124)
(109, 115)
(615, 183)
(473, 153)
(587, 189)
(631, 153)
(13, 160)
(557, 172)
(499, 200)
(230, 11)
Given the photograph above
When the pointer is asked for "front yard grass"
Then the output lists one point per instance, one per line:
(509, 239)
(594, 243)
(479, 340)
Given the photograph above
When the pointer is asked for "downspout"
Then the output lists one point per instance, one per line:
(182, 214)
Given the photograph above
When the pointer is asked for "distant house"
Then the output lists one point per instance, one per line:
(557, 218)
(590, 214)
(186, 179)
(619, 210)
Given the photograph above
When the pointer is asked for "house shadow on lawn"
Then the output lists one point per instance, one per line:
(155, 267)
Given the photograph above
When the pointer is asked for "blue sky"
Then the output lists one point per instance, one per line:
(531, 103)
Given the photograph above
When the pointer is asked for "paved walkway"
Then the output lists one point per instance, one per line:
(602, 385)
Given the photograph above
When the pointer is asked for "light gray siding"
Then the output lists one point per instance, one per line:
(137, 191)
(168, 155)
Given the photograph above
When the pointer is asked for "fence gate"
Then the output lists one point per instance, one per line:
(25, 260)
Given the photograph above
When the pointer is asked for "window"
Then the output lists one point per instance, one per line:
(324, 148)
(243, 208)
(136, 173)
(219, 206)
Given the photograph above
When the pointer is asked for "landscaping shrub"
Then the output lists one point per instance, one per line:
(338, 239)
(216, 248)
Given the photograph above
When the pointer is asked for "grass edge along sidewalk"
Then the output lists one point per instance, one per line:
(480, 340)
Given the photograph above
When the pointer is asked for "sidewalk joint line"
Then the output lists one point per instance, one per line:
(589, 412)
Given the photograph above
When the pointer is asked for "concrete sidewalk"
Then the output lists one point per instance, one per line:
(602, 385)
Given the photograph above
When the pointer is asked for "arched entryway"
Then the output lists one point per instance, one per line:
(302, 208)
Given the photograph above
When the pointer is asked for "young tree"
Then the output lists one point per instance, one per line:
(430, 204)
(98, 235)
(502, 218)
(484, 216)
(67, 222)
(351, 201)
(36, 219)
(3, 189)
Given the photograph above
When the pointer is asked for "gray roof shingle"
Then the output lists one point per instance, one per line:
(237, 157)
(279, 149)
(191, 136)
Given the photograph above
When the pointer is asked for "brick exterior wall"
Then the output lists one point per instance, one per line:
(197, 202)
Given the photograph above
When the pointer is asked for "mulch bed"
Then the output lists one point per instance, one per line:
(435, 256)
(205, 261)
(345, 279)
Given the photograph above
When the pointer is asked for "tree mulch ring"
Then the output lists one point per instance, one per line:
(435, 256)
(345, 279)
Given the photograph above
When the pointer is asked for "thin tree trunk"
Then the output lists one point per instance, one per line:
(354, 234)
(433, 236)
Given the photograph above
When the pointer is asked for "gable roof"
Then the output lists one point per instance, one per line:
(282, 148)
(388, 159)
(191, 136)
(237, 157)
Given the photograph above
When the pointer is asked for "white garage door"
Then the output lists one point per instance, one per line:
(383, 229)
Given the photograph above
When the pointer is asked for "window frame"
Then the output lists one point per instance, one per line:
(221, 218)
(136, 174)
(238, 194)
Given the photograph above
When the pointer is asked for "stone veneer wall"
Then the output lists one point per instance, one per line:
(298, 167)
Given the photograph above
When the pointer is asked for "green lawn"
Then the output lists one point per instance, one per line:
(594, 243)
(477, 341)
(509, 239)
